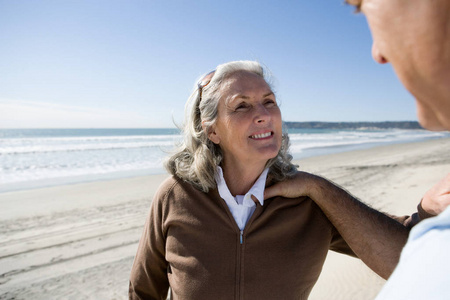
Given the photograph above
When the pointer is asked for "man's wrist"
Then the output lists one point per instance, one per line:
(423, 214)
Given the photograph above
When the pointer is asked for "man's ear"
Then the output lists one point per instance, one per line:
(212, 135)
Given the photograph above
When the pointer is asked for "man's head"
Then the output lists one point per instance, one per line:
(414, 36)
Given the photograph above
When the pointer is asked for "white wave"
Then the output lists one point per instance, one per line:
(301, 142)
(89, 138)
(41, 145)
(36, 173)
(81, 147)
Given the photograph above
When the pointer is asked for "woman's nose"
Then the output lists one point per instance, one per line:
(262, 114)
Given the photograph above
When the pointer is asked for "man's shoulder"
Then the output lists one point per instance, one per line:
(438, 223)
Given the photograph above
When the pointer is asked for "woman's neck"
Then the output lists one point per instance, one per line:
(240, 178)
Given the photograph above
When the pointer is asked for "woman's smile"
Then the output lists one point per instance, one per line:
(261, 136)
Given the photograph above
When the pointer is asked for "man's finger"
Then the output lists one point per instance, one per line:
(270, 192)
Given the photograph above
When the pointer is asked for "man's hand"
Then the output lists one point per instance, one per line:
(297, 186)
(437, 198)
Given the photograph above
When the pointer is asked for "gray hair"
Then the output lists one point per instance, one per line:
(197, 158)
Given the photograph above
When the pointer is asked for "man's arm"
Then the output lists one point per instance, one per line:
(373, 236)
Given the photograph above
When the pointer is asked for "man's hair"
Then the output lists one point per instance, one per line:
(197, 158)
(355, 3)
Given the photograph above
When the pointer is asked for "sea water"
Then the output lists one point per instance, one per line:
(32, 158)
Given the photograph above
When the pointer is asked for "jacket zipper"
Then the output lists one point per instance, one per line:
(239, 290)
(240, 249)
(239, 265)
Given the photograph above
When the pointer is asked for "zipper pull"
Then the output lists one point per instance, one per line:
(242, 237)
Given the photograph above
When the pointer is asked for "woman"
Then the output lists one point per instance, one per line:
(210, 234)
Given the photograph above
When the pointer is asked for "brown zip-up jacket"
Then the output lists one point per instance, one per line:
(191, 243)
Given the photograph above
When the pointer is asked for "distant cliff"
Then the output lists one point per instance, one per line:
(355, 125)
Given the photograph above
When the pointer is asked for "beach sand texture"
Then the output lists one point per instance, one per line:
(78, 241)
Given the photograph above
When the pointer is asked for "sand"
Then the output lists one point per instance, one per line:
(78, 241)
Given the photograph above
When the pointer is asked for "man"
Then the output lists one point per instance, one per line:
(414, 36)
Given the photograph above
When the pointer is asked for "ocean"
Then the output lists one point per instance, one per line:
(33, 158)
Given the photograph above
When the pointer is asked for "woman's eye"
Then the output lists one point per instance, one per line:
(270, 103)
(241, 106)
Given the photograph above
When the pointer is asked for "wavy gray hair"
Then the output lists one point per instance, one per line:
(197, 158)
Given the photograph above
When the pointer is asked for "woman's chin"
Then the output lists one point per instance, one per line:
(268, 155)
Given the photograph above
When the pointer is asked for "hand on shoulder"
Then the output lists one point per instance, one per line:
(301, 184)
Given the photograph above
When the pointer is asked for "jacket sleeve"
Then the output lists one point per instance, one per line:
(148, 278)
(338, 244)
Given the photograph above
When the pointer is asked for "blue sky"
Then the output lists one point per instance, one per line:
(134, 63)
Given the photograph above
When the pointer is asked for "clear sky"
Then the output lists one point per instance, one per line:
(133, 63)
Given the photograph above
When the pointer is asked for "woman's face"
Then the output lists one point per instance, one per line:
(248, 127)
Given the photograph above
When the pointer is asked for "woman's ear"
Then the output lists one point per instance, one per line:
(214, 137)
(211, 132)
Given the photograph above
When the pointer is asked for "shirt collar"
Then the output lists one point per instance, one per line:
(257, 190)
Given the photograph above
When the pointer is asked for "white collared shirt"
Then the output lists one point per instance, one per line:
(242, 206)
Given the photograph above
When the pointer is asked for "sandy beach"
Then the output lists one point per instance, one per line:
(78, 241)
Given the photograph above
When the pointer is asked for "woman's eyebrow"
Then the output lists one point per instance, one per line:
(240, 96)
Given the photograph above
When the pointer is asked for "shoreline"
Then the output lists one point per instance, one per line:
(92, 229)
(302, 147)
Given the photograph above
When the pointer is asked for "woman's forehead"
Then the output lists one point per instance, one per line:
(243, 89)
(244, 80)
